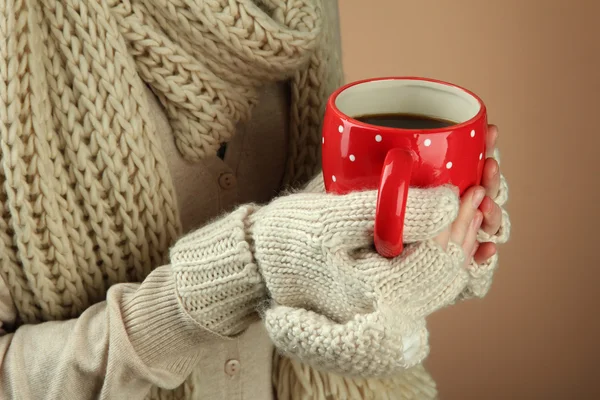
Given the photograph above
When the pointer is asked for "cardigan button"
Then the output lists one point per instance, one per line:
(232, 367)
(227, 180)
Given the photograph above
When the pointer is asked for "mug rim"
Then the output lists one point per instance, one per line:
(332, 105)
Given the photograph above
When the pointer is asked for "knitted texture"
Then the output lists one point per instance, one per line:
(86, 198)
(310, 89)
(218, 281)
(337, 304)
(294, 379)
(206, 59)
(86, 195)
(297, 381)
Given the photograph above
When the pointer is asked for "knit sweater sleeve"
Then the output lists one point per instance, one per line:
(116, 349)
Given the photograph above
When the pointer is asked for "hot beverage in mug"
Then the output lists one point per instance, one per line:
(405, 121)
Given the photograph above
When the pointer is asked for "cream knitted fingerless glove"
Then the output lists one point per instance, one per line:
(335, 302)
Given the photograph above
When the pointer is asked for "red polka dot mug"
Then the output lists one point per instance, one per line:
(359, 155)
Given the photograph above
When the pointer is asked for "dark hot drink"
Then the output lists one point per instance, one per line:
(405, 121)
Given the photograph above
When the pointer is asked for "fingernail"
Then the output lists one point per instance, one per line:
(487, 207)
(494, 170)
(478, 197)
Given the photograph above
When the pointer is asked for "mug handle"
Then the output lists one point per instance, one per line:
(391, 202)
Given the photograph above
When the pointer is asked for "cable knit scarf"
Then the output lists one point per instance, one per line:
(86, 198)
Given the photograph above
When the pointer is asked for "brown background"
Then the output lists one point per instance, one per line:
(536, 63)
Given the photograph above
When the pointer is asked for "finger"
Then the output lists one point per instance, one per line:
(429, 212)
(350, 218)
(484, 252)
(470, 202)
(469, 245)
(490, 179)
(490, 140)
(492, 216)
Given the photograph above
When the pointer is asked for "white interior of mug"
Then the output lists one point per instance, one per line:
(390, 96)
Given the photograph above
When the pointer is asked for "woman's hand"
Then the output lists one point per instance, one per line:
(478, 211)
(492, 211)
(334, 302)
(482, 222)
(371, 321)
(338, 305)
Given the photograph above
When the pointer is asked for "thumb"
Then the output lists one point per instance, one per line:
(428, 213)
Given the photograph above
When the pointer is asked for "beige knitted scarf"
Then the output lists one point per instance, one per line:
(86, 196)
(86, 199)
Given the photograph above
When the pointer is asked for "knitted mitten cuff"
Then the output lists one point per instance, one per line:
(217, 280)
